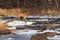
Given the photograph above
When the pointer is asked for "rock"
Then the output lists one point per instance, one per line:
(39, 37)
(42, 36)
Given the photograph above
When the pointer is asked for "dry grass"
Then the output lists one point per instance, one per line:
(26, 12)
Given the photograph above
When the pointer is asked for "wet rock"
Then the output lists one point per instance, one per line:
(42, 36)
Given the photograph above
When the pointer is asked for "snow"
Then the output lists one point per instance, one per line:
(54, 38)
(19, 23)
(49, 30)
(32, 32)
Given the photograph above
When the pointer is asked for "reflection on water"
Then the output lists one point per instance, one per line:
(16, 37)
(23, 37)
(22, 32)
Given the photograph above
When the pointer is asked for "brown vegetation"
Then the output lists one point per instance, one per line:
(3, 25)
(5, 31)
(12, 12)
(33, 7)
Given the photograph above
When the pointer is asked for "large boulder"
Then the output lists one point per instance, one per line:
(42, 36)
